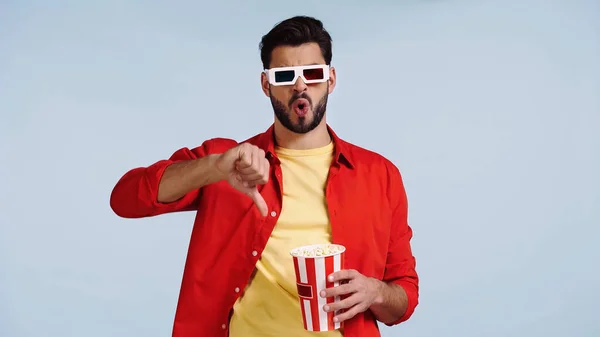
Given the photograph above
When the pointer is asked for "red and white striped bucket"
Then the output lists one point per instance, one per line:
(311, 279)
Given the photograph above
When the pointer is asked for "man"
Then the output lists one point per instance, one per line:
(297, 183)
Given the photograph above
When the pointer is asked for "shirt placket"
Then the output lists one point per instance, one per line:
(273, 195)
(333, 204)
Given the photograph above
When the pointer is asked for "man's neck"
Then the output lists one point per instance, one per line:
(316, 138)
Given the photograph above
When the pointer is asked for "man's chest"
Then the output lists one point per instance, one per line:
(354, 210)
(345, 209)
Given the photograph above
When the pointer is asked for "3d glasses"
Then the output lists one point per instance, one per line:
(318, 73)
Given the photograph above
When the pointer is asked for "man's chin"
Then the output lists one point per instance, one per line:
(297, 126)
(302, 123)
(295, 123)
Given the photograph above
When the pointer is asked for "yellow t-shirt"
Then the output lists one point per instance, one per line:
(269, 305)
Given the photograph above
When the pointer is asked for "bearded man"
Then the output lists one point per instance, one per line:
(295, 184)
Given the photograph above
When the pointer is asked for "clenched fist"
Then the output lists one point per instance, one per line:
(244, 167)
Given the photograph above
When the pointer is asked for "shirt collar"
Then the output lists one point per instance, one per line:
(342, 154)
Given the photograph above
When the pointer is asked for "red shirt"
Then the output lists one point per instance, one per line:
(368, 212)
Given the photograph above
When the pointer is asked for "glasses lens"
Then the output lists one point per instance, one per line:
(314, 74)
(284, 76)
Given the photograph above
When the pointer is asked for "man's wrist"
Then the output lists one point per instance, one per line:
(215, 174)
(389, 303)
(381, 291)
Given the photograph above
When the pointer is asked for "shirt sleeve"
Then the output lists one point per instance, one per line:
(136, 194)
(400, 264)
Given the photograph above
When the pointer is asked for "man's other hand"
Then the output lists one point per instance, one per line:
(357, 291)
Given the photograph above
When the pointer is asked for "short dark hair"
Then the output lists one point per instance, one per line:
(294, 32)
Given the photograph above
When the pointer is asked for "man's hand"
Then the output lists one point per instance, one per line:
(363, 292)
(244, 167)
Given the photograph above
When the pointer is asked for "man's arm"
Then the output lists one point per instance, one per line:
(391, 304)
(400, 289)
(393, 299)
(176, 184)
(183, 177)
(170, 185)
(387, 301)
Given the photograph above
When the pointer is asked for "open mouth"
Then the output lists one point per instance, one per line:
(301, 107)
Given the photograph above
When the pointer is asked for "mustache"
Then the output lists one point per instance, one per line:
(304, 95)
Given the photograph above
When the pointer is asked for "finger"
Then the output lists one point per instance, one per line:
(343, 304)
(259, 201)
(339, 290)
(244, 168)
(256, 158)
(255, 161)
(266, 170)
(346, 274)
(244, 158)
(255, 182)
(258, 173)
(346, 315)
(236, 177)
(262, 164)
(252, 176)
(263, 178)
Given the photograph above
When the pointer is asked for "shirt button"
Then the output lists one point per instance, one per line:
(237, 290)
(223, 326)
(254, 253)
(273, 213)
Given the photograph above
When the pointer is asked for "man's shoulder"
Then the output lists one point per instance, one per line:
(361, 156)
(376, 167)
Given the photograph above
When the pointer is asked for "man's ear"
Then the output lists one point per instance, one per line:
(264, 83)
(332, 79)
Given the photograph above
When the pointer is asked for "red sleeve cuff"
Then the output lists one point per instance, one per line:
(412, 295)
(136, 193)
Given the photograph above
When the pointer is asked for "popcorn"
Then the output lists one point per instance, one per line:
(318, 250)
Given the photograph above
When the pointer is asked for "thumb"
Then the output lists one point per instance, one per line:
(259, 201)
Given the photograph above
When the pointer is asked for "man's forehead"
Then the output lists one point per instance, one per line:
(285, 65)
(303, 55)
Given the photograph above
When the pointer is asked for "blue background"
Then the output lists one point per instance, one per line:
(491, 109)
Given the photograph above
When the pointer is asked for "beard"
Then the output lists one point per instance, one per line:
(284, 112)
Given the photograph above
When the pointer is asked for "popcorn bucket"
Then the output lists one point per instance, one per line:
(313, 264)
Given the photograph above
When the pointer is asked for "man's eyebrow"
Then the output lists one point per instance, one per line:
(286, 65)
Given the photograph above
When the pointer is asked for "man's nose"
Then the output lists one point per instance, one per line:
(300, 86)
